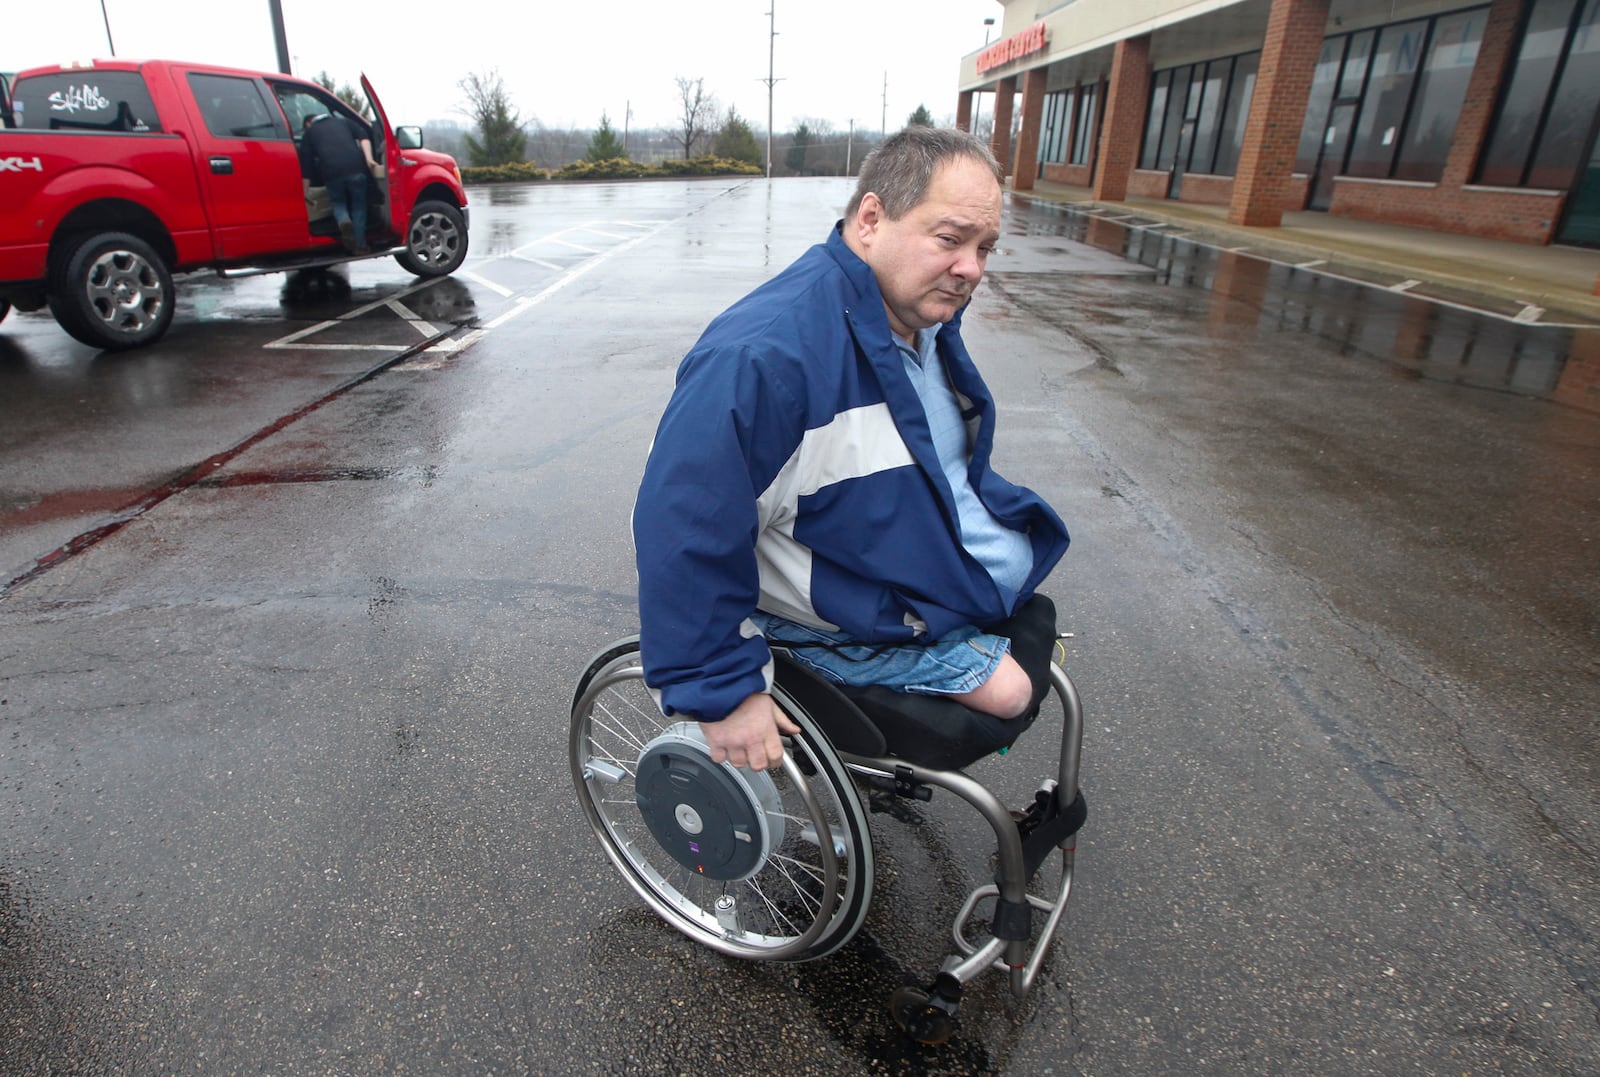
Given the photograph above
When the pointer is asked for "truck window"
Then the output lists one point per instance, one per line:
(298, 103)
(84, 100)
(235, 107)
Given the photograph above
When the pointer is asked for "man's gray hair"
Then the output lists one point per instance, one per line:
(902, 166)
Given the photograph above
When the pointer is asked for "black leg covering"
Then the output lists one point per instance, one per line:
(1032, 632)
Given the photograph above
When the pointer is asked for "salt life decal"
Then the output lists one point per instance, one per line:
(85, 97)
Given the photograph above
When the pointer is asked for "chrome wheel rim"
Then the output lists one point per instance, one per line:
(434, 239)
(125, 291)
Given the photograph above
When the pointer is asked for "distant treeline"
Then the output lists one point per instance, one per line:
(556, 153)
(610, 168)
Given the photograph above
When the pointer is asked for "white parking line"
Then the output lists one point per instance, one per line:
(284, 342)
(526, 303)
(440, 352)
(293, 340)
(427, 329)
(498, 289)
(538, 262)
(575, 246)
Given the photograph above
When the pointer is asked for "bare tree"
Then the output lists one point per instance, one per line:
(498, 124)
(699, 113)
(553, 146)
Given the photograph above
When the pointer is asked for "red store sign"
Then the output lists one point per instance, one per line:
(1012, 48)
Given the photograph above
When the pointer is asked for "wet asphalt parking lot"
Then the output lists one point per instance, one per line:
(292, 604)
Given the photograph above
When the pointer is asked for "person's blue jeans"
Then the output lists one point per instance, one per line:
(960, 661)
(347, 195)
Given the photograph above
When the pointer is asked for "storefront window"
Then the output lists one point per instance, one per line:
(1211, 100)
(1356, 59)
(1388, 97)
(1323, 82)
(1441, 90)
(1506, 157)
(1083, 137)
(1172, 127)
(1564, 144)
(1205, 131)
(1053, 132)
(1234, 114)
(1155, 117)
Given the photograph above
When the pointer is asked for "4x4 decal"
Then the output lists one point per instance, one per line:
(17, 164)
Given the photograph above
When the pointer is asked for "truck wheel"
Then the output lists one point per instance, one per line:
(436, 242)
(112, 291)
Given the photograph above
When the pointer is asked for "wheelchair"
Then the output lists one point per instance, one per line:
(777, 865)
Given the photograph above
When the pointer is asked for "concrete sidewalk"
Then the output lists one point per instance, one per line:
(1532, 284)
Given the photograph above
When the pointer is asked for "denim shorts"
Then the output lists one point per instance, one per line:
(959, 662)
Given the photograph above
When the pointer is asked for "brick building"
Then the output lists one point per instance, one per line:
(1478, 118)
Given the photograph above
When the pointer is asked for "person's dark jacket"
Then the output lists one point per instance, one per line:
(331, 149)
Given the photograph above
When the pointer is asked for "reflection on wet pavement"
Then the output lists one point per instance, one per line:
(1431, 340)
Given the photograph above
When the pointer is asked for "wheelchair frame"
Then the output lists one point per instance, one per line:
(808, 896)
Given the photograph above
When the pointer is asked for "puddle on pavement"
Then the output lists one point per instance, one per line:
(1432, 341)
(424, 475)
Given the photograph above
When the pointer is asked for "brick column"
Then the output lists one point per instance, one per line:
(1494, 60)
(1122, 129)
(1026, 169)
(1000, 139)
(964, 110)
(1277, 112)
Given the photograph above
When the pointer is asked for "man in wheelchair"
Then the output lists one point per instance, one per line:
(836, 589)
(821, 476)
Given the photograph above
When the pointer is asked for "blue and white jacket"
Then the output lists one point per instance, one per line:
(793, 471)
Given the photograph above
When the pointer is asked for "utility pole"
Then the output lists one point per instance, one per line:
(884, 133)
(627, 114)
(772, 49)
(279, 36)
(849, 146)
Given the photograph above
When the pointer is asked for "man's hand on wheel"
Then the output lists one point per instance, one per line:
(749, 737)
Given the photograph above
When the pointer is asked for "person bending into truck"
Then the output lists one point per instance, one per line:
(338, 155)
(821, 474)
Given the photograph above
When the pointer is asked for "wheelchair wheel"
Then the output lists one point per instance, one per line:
(801, 893)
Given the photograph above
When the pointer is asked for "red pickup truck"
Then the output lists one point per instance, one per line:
(116, 174)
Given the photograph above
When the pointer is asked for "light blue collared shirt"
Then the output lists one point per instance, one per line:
(1007, 554)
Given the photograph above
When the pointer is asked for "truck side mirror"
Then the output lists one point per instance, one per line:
(408, 138)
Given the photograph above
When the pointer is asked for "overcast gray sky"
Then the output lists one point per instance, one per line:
(562, 63)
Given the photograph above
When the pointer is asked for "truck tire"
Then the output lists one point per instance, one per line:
(436, 240)
(111, 290)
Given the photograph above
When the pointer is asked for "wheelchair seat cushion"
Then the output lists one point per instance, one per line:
(931, 731)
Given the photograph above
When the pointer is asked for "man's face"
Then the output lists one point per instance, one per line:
(928, 262)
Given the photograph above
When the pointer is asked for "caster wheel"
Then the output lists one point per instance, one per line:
(920, 1017)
